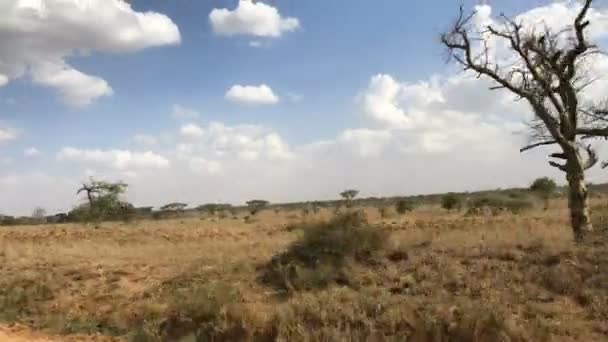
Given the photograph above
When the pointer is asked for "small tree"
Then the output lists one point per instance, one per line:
(39, 213)
(255, 206)
(549, 69)
(544, 188)
(451, 201)
(349, 195)
(103, 200)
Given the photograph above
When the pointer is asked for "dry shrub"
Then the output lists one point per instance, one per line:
(18, 297)
(321, 257)
(208, 312)
(341, 314)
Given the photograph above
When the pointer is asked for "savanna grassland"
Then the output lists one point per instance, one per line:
(426, 275)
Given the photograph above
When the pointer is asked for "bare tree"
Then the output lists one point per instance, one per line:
(39, 213)
(547, 70)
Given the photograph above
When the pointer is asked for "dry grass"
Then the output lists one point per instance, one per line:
(439, 277)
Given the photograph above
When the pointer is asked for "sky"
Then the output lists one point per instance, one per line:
(285, 100)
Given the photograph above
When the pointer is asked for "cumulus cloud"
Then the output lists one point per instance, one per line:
(31, 152)
(251, 18)
(39, 36)
(8, 134)
(191, 131)
(115, 159)
(429, 118)
(219, 141)
(252, 95)
(75, 88)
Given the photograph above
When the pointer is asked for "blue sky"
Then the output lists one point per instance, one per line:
(321, 71)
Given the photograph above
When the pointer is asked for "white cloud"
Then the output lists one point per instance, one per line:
(191, 131)
(181, 112)
(31, 152)
(8, 134)
(245, 142)
(255, 43)
(39, 36)
(144, 139)
(76, 89)
(251, 18)
(433, 117)
(365, 142)
(252, 95)
(115, 159)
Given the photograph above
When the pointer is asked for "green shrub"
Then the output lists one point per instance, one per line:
(322, 255)
(544, 188)
(404, 206)
(451, 201)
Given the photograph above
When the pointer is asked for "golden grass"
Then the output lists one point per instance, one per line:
(466, 278)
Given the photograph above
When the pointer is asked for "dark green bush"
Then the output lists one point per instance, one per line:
(451, 201)
(321, 256)
(404, 206)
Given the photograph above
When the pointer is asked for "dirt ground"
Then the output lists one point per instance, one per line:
(123, 281)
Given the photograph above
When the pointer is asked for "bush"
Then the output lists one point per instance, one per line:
(451, 201)
(497, 204)
(404, 206)
(322, 255)
(206, 312)
(544, 187)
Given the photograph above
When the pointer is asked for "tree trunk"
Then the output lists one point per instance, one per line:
(577, 201)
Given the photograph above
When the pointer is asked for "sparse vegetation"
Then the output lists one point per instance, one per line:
(498, 204)
(351, 277)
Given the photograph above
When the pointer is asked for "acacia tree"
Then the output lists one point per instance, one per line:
(256, 206)
(103, 198)
(175, 206)
(348, 196)
(546, 69)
